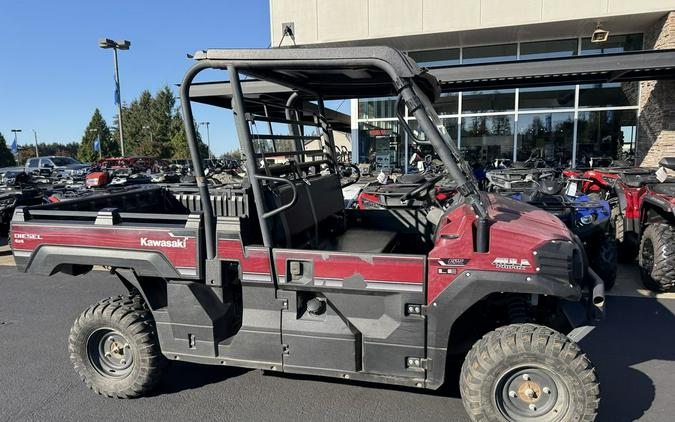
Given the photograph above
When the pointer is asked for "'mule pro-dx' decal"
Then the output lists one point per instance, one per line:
(512, 263)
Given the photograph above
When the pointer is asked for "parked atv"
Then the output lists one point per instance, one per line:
(586, 217)
(657, 230)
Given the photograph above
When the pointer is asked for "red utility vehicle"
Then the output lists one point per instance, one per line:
(278, 275)
(643, 214)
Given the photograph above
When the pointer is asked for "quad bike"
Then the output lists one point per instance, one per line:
(278, 275)
(657, 230)
(587, 217)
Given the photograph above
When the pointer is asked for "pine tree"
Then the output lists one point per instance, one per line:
(6, 157)
(97, 127)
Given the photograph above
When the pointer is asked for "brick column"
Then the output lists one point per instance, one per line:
(656, 125)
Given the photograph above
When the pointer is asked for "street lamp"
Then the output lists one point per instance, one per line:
(146, 127)
(208, 137)
(117, 45)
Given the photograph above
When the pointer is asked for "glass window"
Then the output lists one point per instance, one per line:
(377, 108)
(486, 138)
(546, 97)
(488, 101)
(615, 44)
(448, 103)
(609, 133)
(548, 49)
(436, 58)
(422, 150)
(489, 54)
(546, 135)
(381, 144)
(33, 162)
(609, 94)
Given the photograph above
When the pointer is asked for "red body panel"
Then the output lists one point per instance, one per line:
(253, 259)
(387, 268)
(517, 231)
(598, 181)
(181, 251)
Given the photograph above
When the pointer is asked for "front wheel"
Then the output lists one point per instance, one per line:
(114, 348)
(527, 372)
(657, 257)
(603, 259)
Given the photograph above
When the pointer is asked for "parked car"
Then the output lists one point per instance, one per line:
(56, 165)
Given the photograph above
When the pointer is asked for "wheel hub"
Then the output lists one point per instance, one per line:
(529, 394)
(110, 353)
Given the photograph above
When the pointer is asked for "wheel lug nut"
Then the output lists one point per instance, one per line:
(108, 354)
(532, 407)
(123, 362)
(512, 394)
(546, 390)
(526, 377)
(126, 346)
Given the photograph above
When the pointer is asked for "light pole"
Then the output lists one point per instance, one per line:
(37, 154)
(148, 129)
(117, 45)
(208, 137)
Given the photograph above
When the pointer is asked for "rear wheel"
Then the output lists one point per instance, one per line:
(603, 260)
(527, 372)
(114, 348)
(657, 257)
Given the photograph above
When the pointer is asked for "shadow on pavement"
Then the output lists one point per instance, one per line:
(182, 376)
(635, 331)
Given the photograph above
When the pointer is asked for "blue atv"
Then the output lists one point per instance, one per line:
(588, 217)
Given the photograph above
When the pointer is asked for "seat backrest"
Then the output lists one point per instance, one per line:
(316, 201)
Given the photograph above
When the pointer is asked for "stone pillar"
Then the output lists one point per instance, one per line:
(656, 125)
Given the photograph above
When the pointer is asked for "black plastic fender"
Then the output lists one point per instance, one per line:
(466, 290)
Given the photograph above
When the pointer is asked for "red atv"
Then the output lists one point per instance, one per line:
(643, 214)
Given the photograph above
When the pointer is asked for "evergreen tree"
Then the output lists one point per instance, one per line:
(6, 157)
(97, 127)
(179, 145)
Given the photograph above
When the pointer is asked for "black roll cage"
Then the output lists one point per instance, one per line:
(401, 72)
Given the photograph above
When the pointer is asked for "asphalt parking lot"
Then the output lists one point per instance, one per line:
(633, 349)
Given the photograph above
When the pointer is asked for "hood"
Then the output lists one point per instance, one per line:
(519, 220)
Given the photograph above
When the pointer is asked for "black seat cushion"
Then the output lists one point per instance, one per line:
(361, 241)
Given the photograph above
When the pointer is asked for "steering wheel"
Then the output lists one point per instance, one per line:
(421, 191)
(344, 167)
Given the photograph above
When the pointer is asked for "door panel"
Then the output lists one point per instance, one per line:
(259, 338)
(366, 325)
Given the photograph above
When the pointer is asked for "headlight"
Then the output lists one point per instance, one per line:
(586, 219)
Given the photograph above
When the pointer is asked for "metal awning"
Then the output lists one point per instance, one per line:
(256, 94)
(620, 67)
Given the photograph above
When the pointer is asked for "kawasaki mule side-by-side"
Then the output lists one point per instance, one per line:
(278, 275)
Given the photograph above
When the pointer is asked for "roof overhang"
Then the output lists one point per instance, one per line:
(621, 67)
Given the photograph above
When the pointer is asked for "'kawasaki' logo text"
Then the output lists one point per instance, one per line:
(178, 243)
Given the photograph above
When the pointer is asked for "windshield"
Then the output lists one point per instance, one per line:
(64, 161)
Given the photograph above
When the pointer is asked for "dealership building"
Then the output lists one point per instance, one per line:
(566, 123)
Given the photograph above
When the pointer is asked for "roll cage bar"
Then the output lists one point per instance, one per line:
(321, 74)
